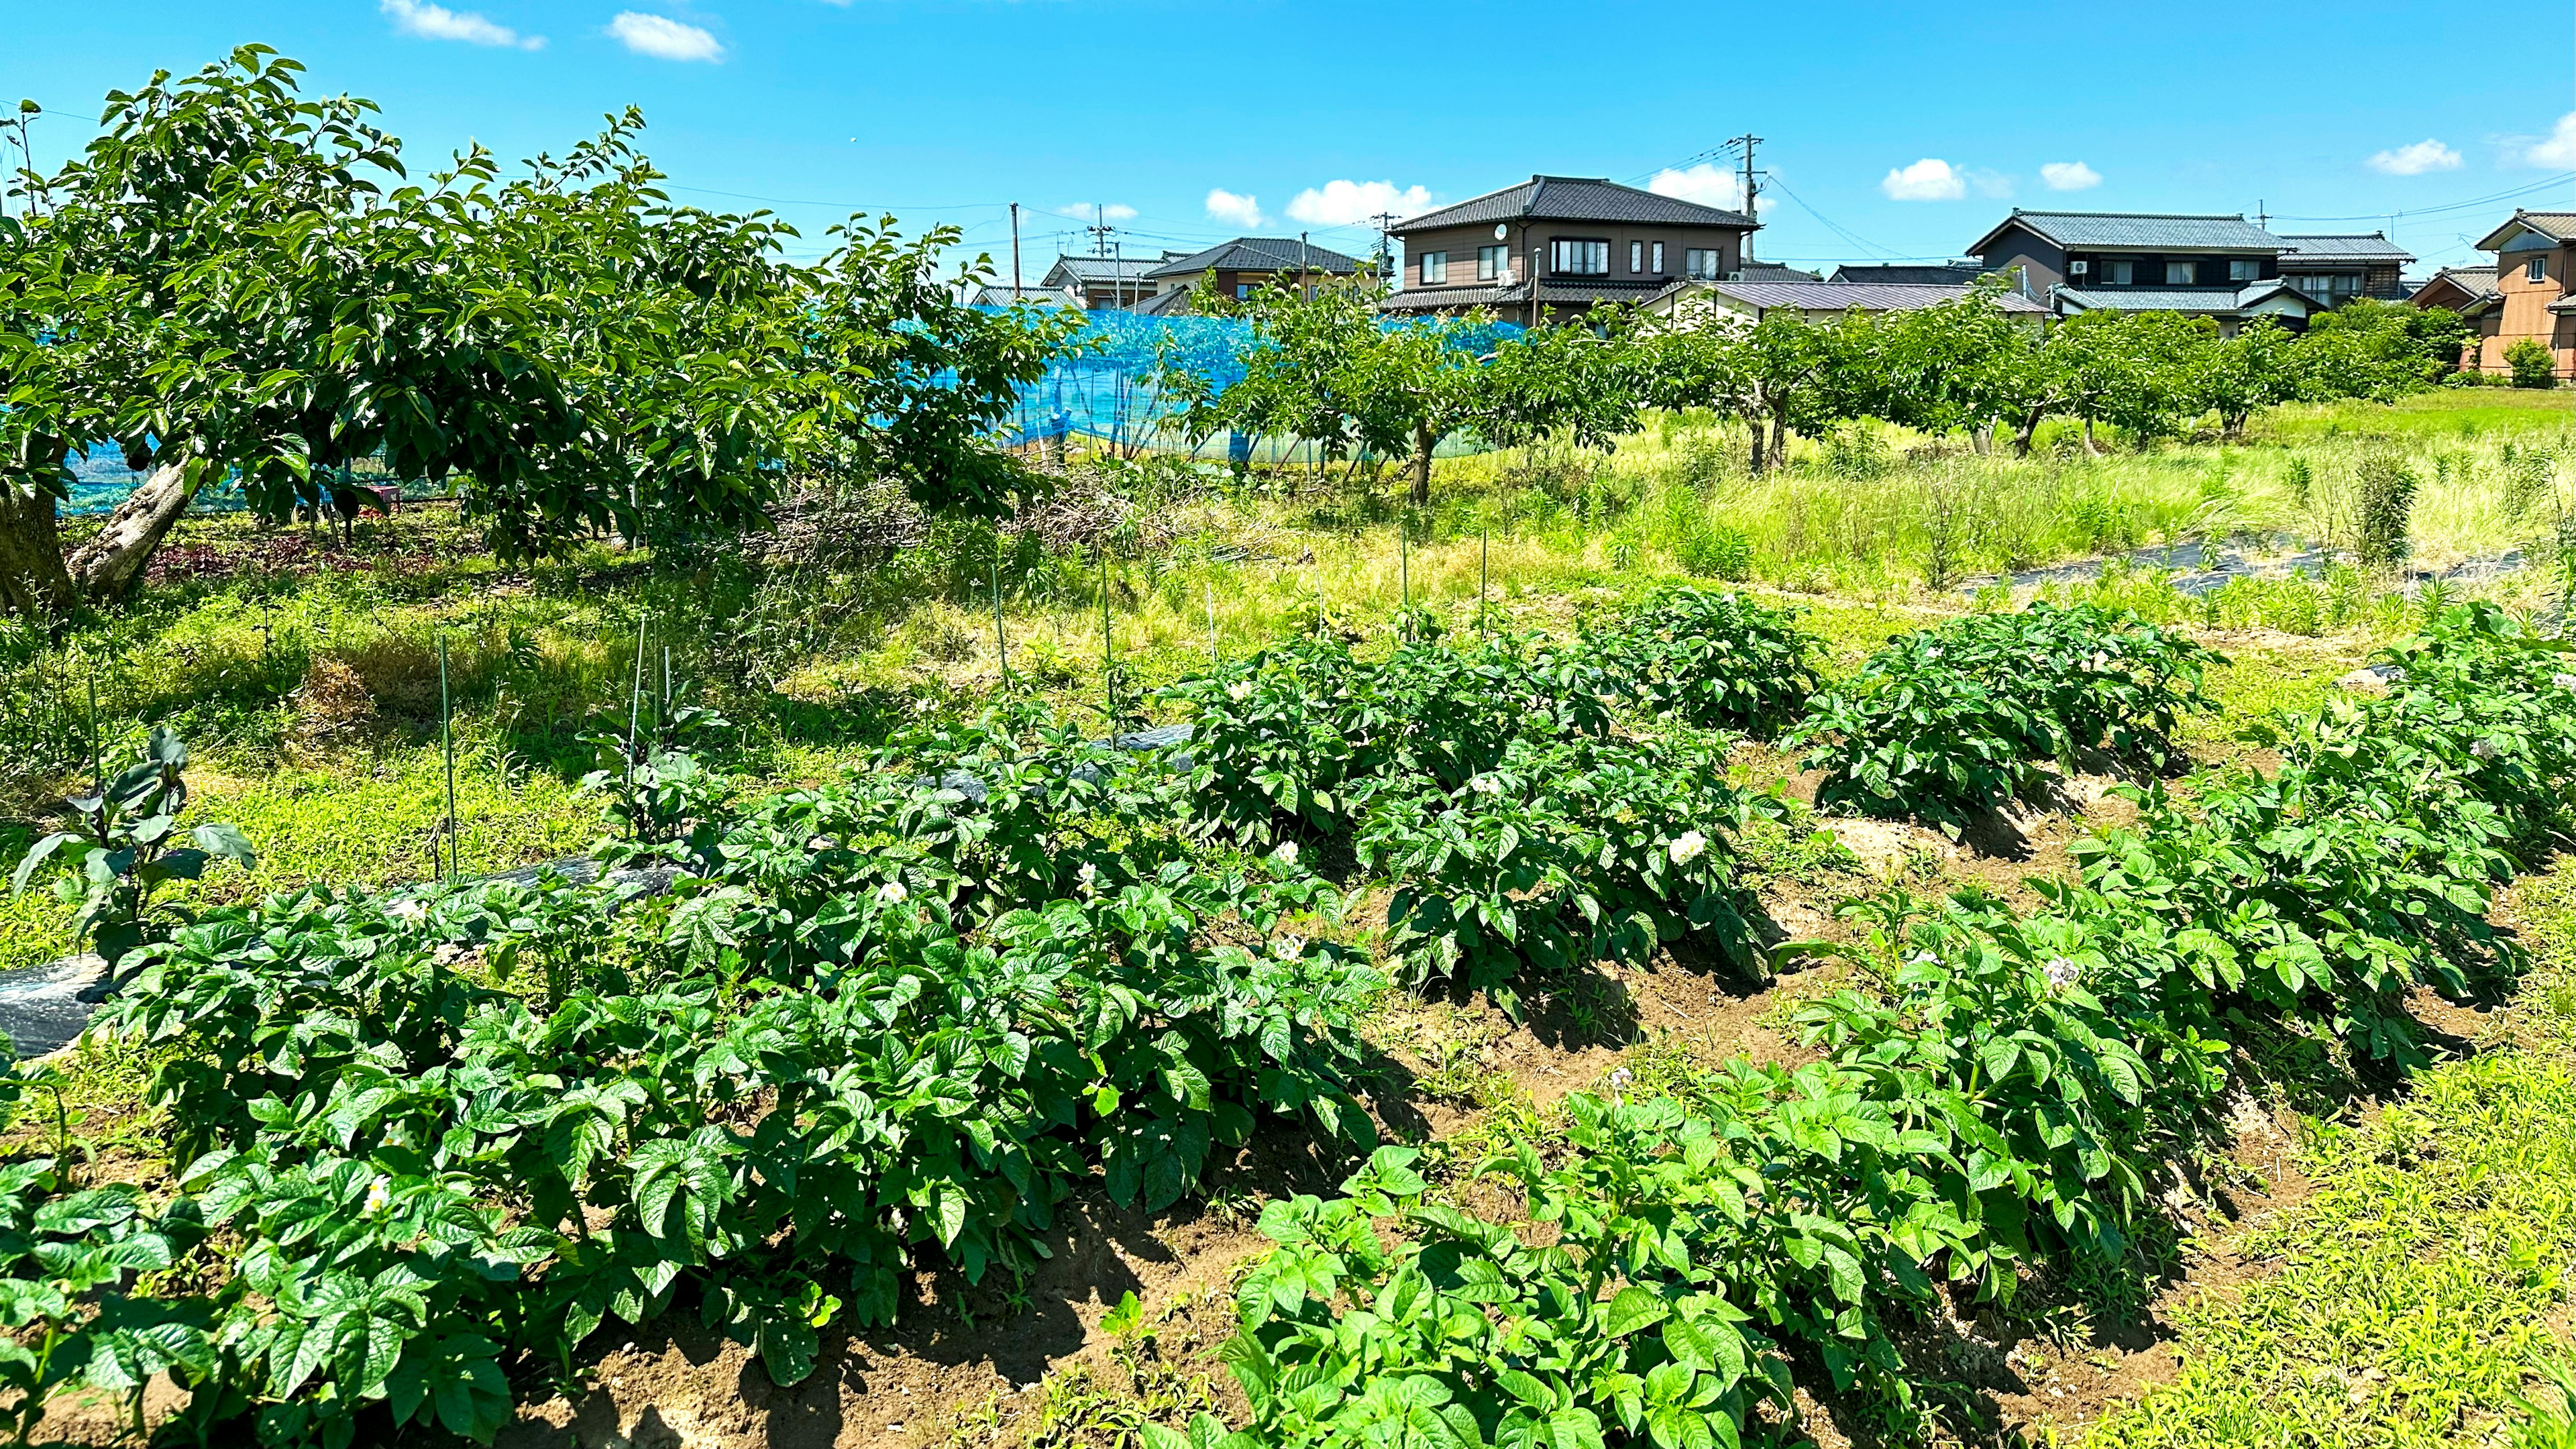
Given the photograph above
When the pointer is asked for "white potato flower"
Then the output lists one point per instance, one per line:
(1689, 847)
(1239, 691)
(892, 893)
(412, 912)
(2061, 972)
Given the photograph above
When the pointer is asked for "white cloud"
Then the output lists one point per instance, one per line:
(1706, 184)
(437, 22)
(2425, 155)
(1242, 211)
(2069, 176)
(2558, 149)
(1929, 179)
(1349, 203)
(1086, 210)
(1993, 185)
(664, 39)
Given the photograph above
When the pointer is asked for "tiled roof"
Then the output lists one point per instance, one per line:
(1860, 296)
(1575, 198)
(2345, 249)
(1174, 303)
(2476, 281)
(2197, 301)
(1773, 272)
(1424, 299)
(1934, 274)
(1260, 254)
(1001, 296)
(2140, 230)
(2554, 225)
(1104, 269)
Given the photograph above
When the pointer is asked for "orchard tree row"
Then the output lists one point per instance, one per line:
(1326, 367)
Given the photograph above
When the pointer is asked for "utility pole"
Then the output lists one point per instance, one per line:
(2262, 218)
(1302, 289)
(1748, 141)
(1100, 231)
(1385, 252)
(1015, 253)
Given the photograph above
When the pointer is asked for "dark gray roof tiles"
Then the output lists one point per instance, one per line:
(2345, 249)
(2148, 231)
(1575, 198)
(1935, 274)
(1861, 296)
(1260, 254)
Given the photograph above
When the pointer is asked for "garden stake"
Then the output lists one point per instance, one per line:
(1001, 646)
(635, 701)
(1484, 549)
(97, 773)
(1404, 571)
(1214, 658)
(447, 745)
(1108, 658)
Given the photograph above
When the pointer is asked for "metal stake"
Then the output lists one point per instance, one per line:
(1001, 646)
(447, 743)
(1108, 643)
(1484, 549)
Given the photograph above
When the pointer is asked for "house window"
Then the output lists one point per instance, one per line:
(2536, 270)
(2119, 274)
(1701, 263)
(1658, 267)
(2182, 274)
(1492, 262)
(1572, 256)
(1636, 257)
(2243, 269)
(1242, 291)
(1435, 268)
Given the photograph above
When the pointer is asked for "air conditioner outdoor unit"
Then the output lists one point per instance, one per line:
(2078, 268)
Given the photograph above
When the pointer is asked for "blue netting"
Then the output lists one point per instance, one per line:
(1104, 391)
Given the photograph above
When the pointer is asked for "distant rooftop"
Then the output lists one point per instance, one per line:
(1259, 254)
(1575, 198)
(2347, 248)
(2141, 230)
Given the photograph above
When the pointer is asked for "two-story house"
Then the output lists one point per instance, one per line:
(2335, 269)
(2535, 289)
(2217, 266)
(1552, 246)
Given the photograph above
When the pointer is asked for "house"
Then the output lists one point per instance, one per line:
(2458, 288)
(2535, 262)
(1823, 301)
(2217, 266)
(1753, 271)
(1552, 246)
(1912, 274)
(2334, 269)
(1240, 267)
(1002, 295)
(1113, 282)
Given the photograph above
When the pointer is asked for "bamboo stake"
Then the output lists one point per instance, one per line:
(447, 744)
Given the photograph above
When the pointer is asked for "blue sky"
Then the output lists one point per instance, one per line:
(1895, 131)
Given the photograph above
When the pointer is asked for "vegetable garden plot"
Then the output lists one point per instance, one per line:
(881, 1024)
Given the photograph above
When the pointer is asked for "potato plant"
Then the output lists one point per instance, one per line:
(1945, 722)
(1715, 660)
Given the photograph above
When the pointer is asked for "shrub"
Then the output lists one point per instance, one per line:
(2532, 363)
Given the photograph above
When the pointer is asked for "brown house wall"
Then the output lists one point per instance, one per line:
(2525, 309)
(1525, 236)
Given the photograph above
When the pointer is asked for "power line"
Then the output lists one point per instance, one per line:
(2471, 204)
(1864, 243)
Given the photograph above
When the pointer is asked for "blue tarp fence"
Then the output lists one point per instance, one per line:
(1102, 392)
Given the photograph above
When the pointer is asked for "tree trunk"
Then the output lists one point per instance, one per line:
(2022, 435)
(33, 582)
(2091, 448)
(1779, 439)
(1753, 425)
(106, 566)
(1421, 465)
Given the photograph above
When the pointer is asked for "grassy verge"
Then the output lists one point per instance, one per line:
(2425, 1283)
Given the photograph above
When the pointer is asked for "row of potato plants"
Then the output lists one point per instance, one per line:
(874, 1027)
(1945, 722)
(442, 1136)
(1992, 1096)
